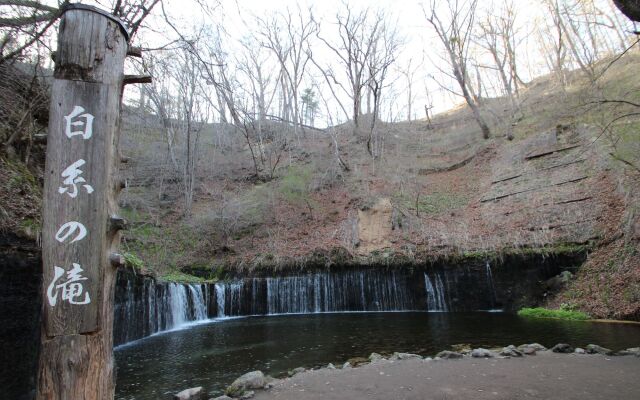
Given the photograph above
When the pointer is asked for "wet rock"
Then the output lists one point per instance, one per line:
(346, 365)
(579, 350)
(534, 346)
(247, 395)
(511, 351)
(482, 353)
(558, 282)
(357, 361)
(223, 397)
(331, 366)
(562, 348)
(595, 349)
(404, 356)
(250, 380)
(295, 371)
(373, 357)
(528, 351)
(190, 394)
(449, 354)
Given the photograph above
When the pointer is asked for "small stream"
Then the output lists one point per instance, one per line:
(212, 354)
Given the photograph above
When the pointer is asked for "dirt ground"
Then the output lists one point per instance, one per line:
(544, 376)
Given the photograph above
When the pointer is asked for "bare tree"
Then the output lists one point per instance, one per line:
(554, 49)
(291, 51)
(183, 115)
(25, 23)
(497, 37)
(358, 33)
(409, 74)
(630, 8)
(383, 54)
(454, 32)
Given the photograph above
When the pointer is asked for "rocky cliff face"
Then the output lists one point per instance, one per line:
(20, 304)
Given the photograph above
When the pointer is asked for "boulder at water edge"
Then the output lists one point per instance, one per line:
(224, 397)
(296, 371)
(190, 394)
(374, 357)
(511, 351)
(449, 354)
(633, 351)
(534, 346)
(250, 380)
(482, 353)
(562, 348)
(358, 361)
(595, 349)
(404, 356)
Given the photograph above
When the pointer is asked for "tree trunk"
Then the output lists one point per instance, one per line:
(76, 360)
(458, 73)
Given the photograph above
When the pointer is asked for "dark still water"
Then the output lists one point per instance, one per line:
(213, 354)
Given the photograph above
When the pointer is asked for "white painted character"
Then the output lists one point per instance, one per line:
(69, 229)
(86, 126)
(72, 179)
(71, 289)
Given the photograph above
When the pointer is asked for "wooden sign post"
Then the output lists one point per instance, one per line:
(80, 225)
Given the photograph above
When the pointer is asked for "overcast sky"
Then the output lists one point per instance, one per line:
(421, 45)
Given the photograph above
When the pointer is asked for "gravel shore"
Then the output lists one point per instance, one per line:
(546, 375)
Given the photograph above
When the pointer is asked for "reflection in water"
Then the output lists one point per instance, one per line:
(214, 354)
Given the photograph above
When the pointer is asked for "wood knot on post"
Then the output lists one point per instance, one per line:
(117, 260)
(117, 223)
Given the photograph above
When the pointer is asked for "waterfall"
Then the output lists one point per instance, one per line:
(199, 304)
(490, 284)
(435, 294)
(330, 292)
(220, 299)
(144, 307)
(178, 304)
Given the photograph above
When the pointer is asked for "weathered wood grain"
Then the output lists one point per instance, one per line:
(76, 360)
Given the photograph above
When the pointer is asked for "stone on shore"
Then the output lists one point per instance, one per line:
(358, 361)
(331, 366)
(482, 353)
(190, 394)
(449, 354)
(595, 349)
(633, 351)
(462, 348)
(250, 380)
(534, 346)
(579, 350)
(404, 356)
(223, 397)
(373, 357)
(562, 348)
(347, 365)
(296, 371)
(511, 351)
(247, 395)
